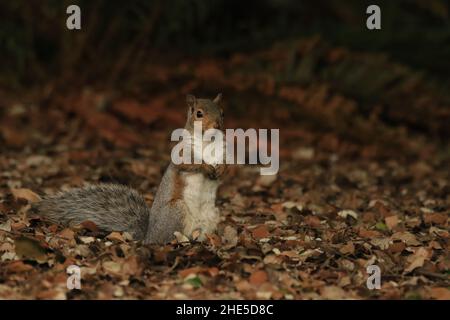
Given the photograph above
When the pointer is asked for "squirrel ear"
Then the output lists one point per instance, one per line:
(191, 100)
(218, 99)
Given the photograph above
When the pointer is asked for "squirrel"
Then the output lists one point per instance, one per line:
(184, 202)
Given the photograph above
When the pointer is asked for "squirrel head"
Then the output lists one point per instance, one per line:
(209, 112)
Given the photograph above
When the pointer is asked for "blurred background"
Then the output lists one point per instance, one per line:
(311, 67)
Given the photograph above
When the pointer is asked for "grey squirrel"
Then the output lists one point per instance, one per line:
(184, 201)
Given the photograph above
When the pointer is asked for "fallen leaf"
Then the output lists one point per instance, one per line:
(406, 237)
(230, 237)
(194, 281)
(115, 236)
(112, 267)
(436, 218)
(266, 180)
(260, 232)
(290, 205)
(382, 243)
(89, 225)
(87, 240)
(391, 222)
(19, 266)
(312, 221)
(368, 233)
(189, 271)
(26, 194)
(440, 293)
(333, 293)
(397, 247)
(348, 248)
(258, 277)
(345, 213)
(30, 249)
(6, 226)
(67, 234)
(417, 259)
(381, 226)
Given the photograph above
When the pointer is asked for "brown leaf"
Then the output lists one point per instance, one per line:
(30, 249)
(406, 237)
(260, 232)
(112, 267)
(89, 225)
(26, 194)
(214, 239)
(230, 237)
(417, 259)
(312, 221)
(397, 247)
(19, 266)
(436, 218)
(440, 293)
(348, 248)
(391, 222)
(333, 293)
(258, 277)
(67, 234)
(131, 266)
(186, 272)
(115, 236)
(213, 271)
(364, 233)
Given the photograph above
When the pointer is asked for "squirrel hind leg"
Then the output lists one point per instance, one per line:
(164, 221)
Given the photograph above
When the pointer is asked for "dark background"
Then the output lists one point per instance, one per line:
(400, 74)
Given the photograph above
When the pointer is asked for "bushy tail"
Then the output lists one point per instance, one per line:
(111, 207)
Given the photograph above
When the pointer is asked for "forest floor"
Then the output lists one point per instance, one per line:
(353, 190)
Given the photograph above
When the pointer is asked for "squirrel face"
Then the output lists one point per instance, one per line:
(209, 112)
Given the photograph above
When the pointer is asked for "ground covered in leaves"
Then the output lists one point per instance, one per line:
(360, 183)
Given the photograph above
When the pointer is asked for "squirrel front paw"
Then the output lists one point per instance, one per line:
(220, 170)
(215, 172)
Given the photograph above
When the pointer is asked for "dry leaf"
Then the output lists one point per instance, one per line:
(26, 194)
(67, 233)
(19, 266)
(30, 249)
(112, 267)
(258, 277)
(436, 218)
(6, 226)
(260, 232)
(391, 222)
(417, 259)
(345, 213)
(406, 237)
(230, 237)
(440, 293)
(348, 248)
(115, 236)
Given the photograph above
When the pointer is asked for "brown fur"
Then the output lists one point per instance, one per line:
(178, 187)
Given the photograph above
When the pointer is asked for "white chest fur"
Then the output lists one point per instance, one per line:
(200, 197)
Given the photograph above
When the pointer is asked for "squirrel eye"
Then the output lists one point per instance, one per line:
(199, 114)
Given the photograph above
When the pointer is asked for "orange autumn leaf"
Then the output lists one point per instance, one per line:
(258, 277)
(260, 232)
